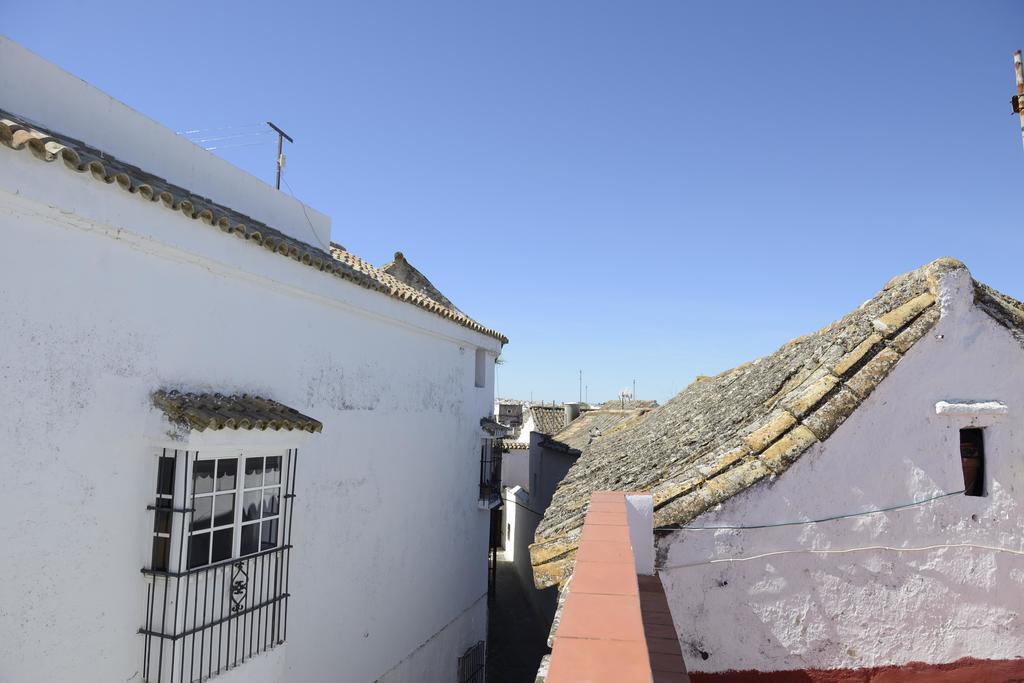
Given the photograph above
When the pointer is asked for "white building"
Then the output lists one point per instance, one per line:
(307, 507)
(846, 508)
(531, 476)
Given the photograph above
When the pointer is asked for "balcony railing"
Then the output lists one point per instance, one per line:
(208, 620)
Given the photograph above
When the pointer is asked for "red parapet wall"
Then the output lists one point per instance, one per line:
(961, 671)
(615, 627)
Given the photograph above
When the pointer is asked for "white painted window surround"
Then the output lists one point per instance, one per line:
(971, 409)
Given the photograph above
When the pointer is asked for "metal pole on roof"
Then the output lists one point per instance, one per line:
(581, 386)
(1017, 101)
(281, 136)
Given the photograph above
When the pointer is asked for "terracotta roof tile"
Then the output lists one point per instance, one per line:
(590, 426)
(240, 411)
(548, 419)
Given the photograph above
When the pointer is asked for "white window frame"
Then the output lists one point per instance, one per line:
(239, 491)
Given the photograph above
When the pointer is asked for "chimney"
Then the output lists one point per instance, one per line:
(572, 411)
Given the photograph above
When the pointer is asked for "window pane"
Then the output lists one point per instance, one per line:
(221, 545)
(273, 470)
(162, 522)
(251, 505)
(165, 476)
(201, 517)
(250, 539)
(199, 550)
(253, 472)
(161, 553)
(202, 476)
(269, 537)
(224, 509)
(226, 471)
(271, 498)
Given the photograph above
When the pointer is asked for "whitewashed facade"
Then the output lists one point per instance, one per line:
(839, 595)
(106, 297)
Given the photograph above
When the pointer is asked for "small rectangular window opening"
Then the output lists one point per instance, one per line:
(481, 368)
(972, 460)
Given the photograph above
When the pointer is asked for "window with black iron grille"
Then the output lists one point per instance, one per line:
(972, 461)
(471, 665)
(490, 472)
(218, 580)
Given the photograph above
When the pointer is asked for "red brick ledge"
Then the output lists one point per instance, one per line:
(965, 670)
(604, 629)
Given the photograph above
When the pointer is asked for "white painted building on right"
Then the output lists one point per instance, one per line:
(846, 508)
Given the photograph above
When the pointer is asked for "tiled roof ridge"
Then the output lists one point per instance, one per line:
(408, 274)
(80, 157)
(214, 411)
(807, 408)
(548, 419)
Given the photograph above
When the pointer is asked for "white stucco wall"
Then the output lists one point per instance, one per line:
(873, 607)
(104, 298)
(515, 468)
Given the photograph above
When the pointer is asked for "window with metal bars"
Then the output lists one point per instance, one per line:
(162, 514)
(471, 664)
(490, 473)
(218, 581)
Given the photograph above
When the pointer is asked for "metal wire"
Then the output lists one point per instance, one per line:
(240, 144)
(775, 553)
(808, 521)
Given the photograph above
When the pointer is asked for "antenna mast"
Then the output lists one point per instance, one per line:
(281, 136)
(1017, 101)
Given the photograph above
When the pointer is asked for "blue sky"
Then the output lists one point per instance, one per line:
(642, 190)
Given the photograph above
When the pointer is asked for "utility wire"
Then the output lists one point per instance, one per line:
(539, 514)
(843, 551)
(808, 521)
(216, 138)
(303, 205)
(210, 130)
(239, 144)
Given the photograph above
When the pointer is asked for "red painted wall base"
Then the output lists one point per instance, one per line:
(961, 671)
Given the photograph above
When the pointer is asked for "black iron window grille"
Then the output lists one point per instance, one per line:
(490, 473)
(224, 526)
(471, 665)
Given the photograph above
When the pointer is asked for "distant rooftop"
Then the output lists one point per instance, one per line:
(590, 426)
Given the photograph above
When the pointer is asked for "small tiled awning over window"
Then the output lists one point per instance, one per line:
(239, 411)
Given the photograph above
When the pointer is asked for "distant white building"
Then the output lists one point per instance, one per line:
(230, 448)
(531, 476)
(848, 507)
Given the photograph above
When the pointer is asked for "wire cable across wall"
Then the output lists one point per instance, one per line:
(829, 551)
(831, 518)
